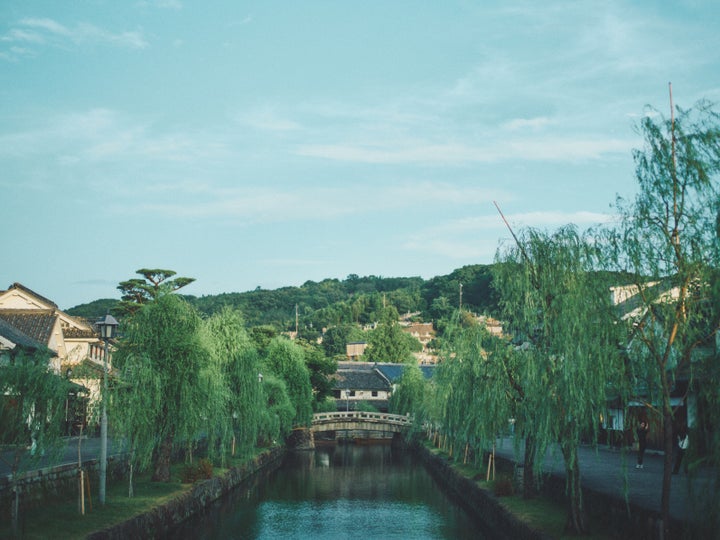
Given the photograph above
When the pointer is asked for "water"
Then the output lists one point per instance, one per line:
(346, 491)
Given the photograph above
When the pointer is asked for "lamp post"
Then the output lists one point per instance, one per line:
(106, 326)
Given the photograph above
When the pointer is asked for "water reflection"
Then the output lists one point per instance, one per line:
(347, 491)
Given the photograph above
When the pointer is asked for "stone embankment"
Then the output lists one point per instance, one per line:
(161, 520)
(480, 503)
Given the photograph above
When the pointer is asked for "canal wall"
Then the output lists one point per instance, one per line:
(161, 520)
(480, 503)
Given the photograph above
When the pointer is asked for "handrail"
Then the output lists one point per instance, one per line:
(319, 418)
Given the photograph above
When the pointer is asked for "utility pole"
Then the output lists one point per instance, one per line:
(296, 320)
(460, 302)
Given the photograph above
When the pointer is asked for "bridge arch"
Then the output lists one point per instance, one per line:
(360, 421)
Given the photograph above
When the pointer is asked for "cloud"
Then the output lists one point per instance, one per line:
(267, 119)
(545, 148)
(476, 238)
(104, 135)
(37, 32)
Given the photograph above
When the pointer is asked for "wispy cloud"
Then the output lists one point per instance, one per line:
(103, 135)
(476, 238)
(31, 33)
(540, 149)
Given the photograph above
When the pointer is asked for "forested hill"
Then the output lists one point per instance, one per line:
(352, 300)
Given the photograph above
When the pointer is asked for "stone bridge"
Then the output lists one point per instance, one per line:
(360, 421)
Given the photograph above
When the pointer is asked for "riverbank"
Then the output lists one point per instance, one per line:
(161, 520)
(478, 500)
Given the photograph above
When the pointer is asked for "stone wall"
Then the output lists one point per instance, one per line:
(51, 484)
(161, 520)
(480, 503)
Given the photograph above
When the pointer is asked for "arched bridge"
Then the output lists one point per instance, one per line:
(360, 420)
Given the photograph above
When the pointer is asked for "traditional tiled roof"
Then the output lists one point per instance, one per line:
(37, 324)
(12, 334)
(392, 372)
(360, 379)
(78, 333)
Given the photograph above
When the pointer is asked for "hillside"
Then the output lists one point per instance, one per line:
(352, 300)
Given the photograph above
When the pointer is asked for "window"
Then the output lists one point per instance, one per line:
(374, 393)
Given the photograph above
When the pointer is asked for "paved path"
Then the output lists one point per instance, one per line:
(611, 471)
(89, 450)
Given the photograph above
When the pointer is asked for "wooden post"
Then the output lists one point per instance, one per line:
(491, 465)
(87, 485)
(466, 453)
(81, 493)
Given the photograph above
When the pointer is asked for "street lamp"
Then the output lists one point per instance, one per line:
(106, 326)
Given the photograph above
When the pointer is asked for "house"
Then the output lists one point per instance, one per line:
(622, 418)
(33, 319)
(355, 349)
(370, 383)
(360, 382)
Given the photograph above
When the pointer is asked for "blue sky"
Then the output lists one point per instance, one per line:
(265, 144)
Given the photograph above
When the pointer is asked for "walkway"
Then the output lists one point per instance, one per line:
(612, 472)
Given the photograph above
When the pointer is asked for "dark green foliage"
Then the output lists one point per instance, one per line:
(321, 369)
(387, 342)
(94, 310)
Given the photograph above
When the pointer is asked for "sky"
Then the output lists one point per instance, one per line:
(264, 144)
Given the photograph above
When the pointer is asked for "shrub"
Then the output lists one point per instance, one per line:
(503, 486)
(202, 470)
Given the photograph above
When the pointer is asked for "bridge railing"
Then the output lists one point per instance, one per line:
(356, 416)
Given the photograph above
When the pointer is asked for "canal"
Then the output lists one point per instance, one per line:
(343, 491)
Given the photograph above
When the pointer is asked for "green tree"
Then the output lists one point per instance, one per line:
(388, 343)
(321, 369)
(155, 282)
(286, 360)
(556, 304)
(667, 242)
(240, 365)
(172, 389)
(410, 395)
(277, 418)
(32, 408)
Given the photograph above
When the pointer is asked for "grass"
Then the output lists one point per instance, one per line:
(65, 522)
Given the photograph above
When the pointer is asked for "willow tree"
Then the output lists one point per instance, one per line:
(476, 407)
(410, 396)
(286, 360)
(240, 364)
(488, 394)
(32, 414)
(668, 244)
(172, 390)
(560, 310)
